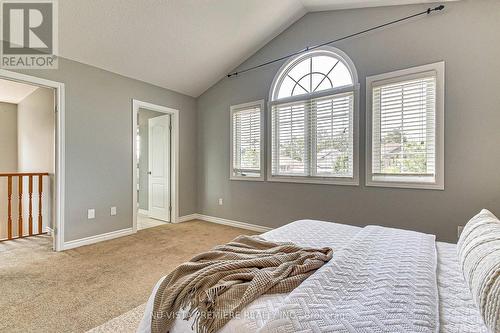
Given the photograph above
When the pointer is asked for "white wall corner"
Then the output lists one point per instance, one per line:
(218, 220)
(232, 223)
(189, 217)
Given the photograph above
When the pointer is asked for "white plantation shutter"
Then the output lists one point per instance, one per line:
(289, 154)
(332, 135)
(246, 140)
(404, 129)
(313, 138)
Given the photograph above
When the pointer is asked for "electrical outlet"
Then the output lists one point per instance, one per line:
(91, 214)
(459, 230)
(220, 202)
(113, 211)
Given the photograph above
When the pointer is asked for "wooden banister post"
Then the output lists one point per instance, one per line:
(9, 210)
(30, 216)
(40, 190)
(20, 206)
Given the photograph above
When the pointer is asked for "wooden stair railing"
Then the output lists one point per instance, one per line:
(30, 176)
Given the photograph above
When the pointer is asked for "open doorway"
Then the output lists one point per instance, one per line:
(155, 147)
(27, 163)
(56, 186)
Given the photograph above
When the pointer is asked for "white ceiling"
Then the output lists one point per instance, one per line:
(14, 92)
(182, 45)
(318, 5)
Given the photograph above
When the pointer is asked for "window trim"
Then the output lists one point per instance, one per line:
(291, 63)
(355, 88)
(233, 108)
(397, 76)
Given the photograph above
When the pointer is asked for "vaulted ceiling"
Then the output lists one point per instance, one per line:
(182, 45)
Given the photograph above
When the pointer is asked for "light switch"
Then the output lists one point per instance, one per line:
(113, 211)
(91, 214)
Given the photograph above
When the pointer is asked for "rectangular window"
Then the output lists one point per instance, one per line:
(247, 141)
(313, 140)
(405, 127)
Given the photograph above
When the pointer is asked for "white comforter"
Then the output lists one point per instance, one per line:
(380, 279)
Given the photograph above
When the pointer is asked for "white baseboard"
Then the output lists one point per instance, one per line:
(128, 231)
(49, 230)
(232, 223)
(186, 218)
(98, 238)
(143, 212)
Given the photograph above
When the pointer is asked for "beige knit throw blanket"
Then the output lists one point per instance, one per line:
(216, 285)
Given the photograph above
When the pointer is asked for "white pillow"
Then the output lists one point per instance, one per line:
(479, 257)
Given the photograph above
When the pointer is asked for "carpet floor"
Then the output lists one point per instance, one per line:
(79, 289)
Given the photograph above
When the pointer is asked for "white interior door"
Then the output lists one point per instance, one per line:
(159, 168)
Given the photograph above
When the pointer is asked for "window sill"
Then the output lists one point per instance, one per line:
(407, 185)
(250, 179)
(314, 180)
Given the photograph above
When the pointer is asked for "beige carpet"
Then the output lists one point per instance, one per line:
(77, 290)
(125, 323)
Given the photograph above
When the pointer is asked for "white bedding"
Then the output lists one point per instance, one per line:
(456, 311)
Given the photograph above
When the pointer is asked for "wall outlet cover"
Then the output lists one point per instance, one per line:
(220, 202)
(91, 214)
(113, 211)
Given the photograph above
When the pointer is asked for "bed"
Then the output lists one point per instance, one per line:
(455, 310)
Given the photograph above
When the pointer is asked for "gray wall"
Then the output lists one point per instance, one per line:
(8, 137)
(36, 151)
(36, 132)
(465, 35)
(143, 125)
(8, 161)
(99, 145)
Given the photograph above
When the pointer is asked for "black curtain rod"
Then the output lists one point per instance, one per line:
(309, 48)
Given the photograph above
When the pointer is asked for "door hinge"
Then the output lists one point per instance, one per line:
(56, 109)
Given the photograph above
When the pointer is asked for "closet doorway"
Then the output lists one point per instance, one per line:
(154, 165)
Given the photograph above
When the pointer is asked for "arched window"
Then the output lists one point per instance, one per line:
(313, 119)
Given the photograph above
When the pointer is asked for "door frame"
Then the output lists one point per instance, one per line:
(174, 171)
(59, 174)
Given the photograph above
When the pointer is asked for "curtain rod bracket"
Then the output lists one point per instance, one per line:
(430, 10)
